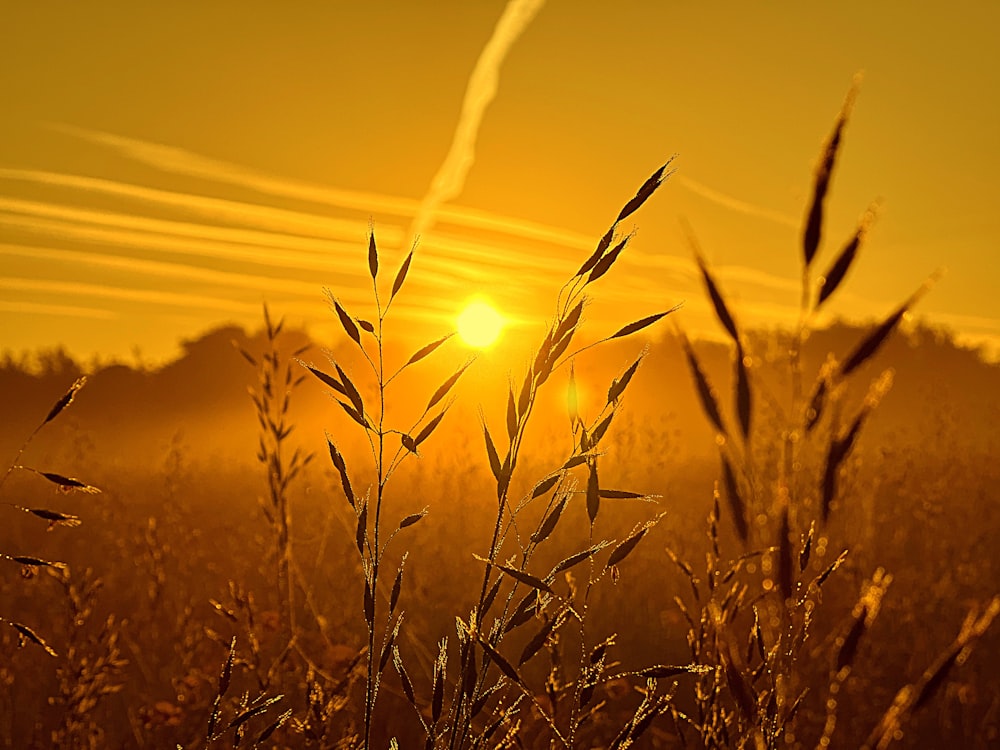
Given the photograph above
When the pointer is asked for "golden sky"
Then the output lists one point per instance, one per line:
(166, 167)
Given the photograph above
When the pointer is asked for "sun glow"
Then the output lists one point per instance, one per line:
(479, 324)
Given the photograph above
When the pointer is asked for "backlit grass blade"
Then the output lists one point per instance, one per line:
(350, 327)
(429, 428)
(593, 492)
(397, 283)
(604, 264)
(645, 191)
(27, 634)
(623, 550)
(786, 574)
(491, 452)
(326, 379)
(874, 341)
(550, 522)
(519, 575)
(447, 385)
(705, 392)
(338, 462)
(426, 350)
(351, 391)
(65, 400)
(830, 281)
(721, 310)
(372, 255)
(619, 384)
(814, 219)
(744, 402)
(736, 505)
(638, 325)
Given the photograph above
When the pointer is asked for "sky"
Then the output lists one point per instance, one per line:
(165, 168)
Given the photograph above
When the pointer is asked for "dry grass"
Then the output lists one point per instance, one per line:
(323, 612)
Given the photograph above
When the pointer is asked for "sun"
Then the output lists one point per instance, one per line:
(479, 324)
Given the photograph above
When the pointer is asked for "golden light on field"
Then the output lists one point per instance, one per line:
(479, 324)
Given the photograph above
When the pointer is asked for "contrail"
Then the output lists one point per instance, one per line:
(482, 88)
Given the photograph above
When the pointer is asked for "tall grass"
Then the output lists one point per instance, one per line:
(780, 509)
(778, 616)
(30, 565)
(487, 695)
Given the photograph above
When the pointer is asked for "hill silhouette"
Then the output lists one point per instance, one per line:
(944, 398)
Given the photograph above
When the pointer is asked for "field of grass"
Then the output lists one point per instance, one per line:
(749, 545)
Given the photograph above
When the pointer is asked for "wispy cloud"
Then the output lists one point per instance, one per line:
(253, 215)
(179, 161)
(152, 269)
(311, 247)
(273, 248)
(182, 244)
(41, 308)
(144, 296)
(735, 204)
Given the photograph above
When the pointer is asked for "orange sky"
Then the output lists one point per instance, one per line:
(165, 168)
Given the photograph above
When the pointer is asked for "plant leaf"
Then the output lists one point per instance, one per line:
(623, 550)
(425, 350)
(744, 404)
(572, 398)
(620, 494)
(505, 666)
(352, 392)
(341, 466)
(408, 443)
(447, 385)
(717, 301)
(412, 519)
(602, 245)
(326, 379)
(736, 505)
(66, 399)
(832, 278)
(491, 452)
(511, 414)
(645, 191)
(593, 493)
(538, 640)
(708, 402)
(372, 255)
(68, 482)
(814, 220)
(401, 275)
(429, 428)
(354, 414)
(643, 323)
(350, 327)
(618, 385)
(27, 634)
(604, 264)
(550, 522)
(574, 559)
(522, 576)
(544, 486)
